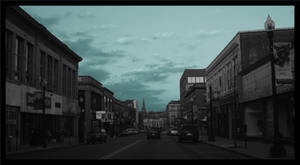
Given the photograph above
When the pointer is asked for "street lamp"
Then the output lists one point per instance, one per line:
(211, 132)
(277, 149)
(44, 84)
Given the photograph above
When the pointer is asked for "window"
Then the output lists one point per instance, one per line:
(17, 62)
(74, 80)
(8, 44)
(201, 79)
(55, 84)
(197, 79)
(28, 62)
(69, 82)
(42, 65)
(49, 75)
(64, 80)
(105, 101)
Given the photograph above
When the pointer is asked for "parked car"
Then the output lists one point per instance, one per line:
(153, 133)
(129, 131)
(188, 132)
(173, 132)
(91, 137)
(102, 136)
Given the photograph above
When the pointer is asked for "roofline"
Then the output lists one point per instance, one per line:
(45, 31)
(106, 89)
(91, 78)
(238, 33)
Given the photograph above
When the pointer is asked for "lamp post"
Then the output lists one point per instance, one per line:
(43, 84)
(211, 132)
(277, 149)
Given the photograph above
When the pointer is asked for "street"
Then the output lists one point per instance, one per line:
(134, 147)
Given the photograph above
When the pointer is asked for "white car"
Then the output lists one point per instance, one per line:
(173, 132)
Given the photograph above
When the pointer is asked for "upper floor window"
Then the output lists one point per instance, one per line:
(17, 57)
(28, 62)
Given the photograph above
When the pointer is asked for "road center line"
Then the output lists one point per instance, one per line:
(119, 150)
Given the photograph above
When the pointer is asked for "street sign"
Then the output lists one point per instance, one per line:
(100, 115)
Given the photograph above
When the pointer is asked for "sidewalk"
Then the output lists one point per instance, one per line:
(68, 142)
(255, 148)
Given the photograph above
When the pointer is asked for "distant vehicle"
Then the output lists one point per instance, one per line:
(94, 137)
(129, 131)
(188, 132)
(153, 133)
(173, 132)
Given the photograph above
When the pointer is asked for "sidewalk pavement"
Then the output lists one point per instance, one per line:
(255, 148)
(68, 142)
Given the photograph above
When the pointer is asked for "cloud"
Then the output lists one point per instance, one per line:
(132, 89)
(69, 13)
(94, 59)
(160, 35)
(126, 40)
(208, 33)
(47, 21)
(86, 14)
(156, 72)
(99, 74)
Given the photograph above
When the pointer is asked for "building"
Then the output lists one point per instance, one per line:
(38, 65)
(240, 79)
(91, 102)
(173, 113)
(188, 99)
(119, 109)
(133, 104)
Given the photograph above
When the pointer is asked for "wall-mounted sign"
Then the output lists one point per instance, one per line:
(36, 100)
(100, 115)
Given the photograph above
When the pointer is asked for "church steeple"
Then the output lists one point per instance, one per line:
(143, 108)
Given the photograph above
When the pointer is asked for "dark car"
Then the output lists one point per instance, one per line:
(102, 136)
(153, 133)
(91, 137)
(188, 133)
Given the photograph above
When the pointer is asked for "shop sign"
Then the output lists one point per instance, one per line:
(36, 100)
(100, 115)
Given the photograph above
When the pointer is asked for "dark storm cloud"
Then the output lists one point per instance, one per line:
(132, 89)
(157, 73)
(94, 58)
(99, 74)
(92, 55)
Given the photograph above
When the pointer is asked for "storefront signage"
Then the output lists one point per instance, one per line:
(36, 100)
(100, 115)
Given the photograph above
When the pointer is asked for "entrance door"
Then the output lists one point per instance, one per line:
(11, 125)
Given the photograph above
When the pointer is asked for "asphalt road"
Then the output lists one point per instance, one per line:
(134, 147)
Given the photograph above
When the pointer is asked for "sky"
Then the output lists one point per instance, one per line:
(141, 51)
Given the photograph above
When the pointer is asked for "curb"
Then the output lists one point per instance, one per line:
(42, 149)
(227, 149)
